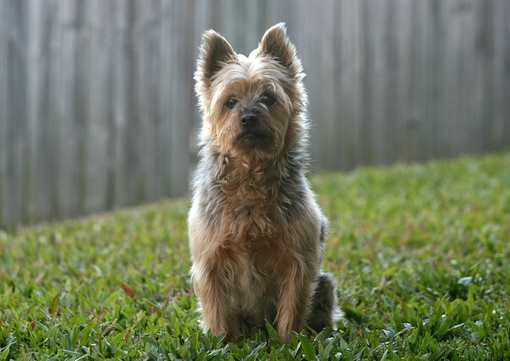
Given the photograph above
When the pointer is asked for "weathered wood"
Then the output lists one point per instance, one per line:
(462, 78)
(165, 88)
(486, 123)
(97, 108)
(348, 72)
(3, 114)
(148, 97)
(37, 20)
(499, 81)
(411, 150)
(366, 83)
(391, 60)
(469, 82)
(422, 126)
(17, 169)
(435, 73)
(505, 91)
(322, 108)
(380, 75)
(67, 130)
(309, 55)
(110, 112)
(184, 101)
(53, 113)
(133, 174)
(118, 69)
(400, 94)
(97, 125)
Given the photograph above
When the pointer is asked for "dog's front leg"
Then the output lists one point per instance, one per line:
(294, 300)
(218, 314)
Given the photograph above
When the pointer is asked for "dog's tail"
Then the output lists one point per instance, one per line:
(324, 309)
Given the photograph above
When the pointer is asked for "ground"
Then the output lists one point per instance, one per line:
(421, 254)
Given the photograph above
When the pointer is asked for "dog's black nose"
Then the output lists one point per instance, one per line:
(248, 119)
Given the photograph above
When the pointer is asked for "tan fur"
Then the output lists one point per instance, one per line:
(255, 249)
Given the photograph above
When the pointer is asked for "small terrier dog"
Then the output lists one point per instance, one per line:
(256, 231)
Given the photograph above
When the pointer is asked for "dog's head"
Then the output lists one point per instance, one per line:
(251, 105)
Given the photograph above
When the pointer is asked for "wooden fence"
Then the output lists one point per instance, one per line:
(96, 96)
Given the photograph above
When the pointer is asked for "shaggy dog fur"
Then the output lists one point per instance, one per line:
(256, 231)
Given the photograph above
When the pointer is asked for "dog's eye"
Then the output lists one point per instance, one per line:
(231, 103)
(267, 99)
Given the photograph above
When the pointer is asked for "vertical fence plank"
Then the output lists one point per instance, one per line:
(140, 99)
(167, 52)
(471, 79)
(424, 126)
(308, 15)
(389, 131)
(348, 67)
(112, 43)
(366, 80)
(412, 86)
(380, 74)
(400, 93)
(228, 23)
(17, 115)
(54, 112)
(329, 73)
(451, 55)
(241, 24)
(81, 94)
(435, 66)
(290, 12)
(506, 75)
(55, 118)
(3, 114)
(66, 129)
(147, 98)
(457, 77)
(320, 80)
(325, 114)
(43, 110)
(486, 123)
(131, 142)
(499, 79)
(182, 114)
(206, 17)
(38, 35)
(118, 70)
(98, 99)
(153, 69)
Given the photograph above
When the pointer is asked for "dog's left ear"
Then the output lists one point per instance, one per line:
(277, 45)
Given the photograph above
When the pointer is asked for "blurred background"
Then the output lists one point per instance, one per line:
(97, 109)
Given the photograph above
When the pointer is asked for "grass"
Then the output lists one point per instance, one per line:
(421, 254)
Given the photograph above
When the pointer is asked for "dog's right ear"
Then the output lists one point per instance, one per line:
(215, 52)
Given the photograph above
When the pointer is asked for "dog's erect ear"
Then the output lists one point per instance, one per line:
(277, 45)
(215, 52)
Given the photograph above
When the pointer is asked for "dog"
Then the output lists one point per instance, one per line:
(256, 231)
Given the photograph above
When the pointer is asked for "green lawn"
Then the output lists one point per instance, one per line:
(421, 254)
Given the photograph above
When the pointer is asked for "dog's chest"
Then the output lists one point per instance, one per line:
(252, 213)
(250, 222)
(250, 203)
